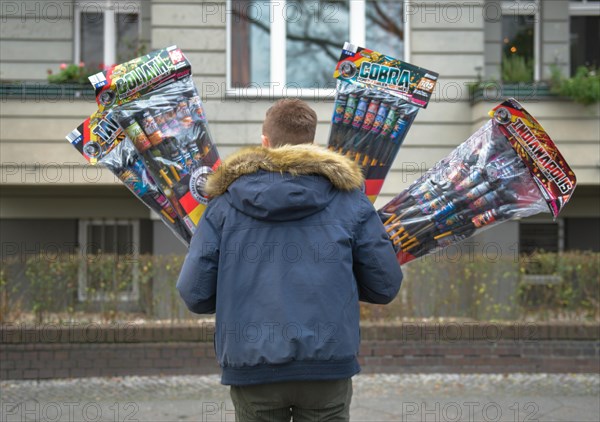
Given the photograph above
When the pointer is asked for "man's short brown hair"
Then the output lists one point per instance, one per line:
(290, 122)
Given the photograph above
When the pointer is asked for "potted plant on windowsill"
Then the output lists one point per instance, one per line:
(72, 78)
(70, 82)
(583, 88)
(516, 81)
(75, 74)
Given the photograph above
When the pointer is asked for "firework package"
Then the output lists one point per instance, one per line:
(100, 139)
(509, 168)
(377, 99)
(151, 131)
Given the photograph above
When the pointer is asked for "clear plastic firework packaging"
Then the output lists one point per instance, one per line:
(509, 168)
(157, 121)
(377, 100)
(169, 130)
(100, 140)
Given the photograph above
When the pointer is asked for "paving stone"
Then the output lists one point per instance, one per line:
(377, 397)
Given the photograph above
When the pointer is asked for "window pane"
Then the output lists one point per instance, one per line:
(124, 242)
(128, 31)
(585, 33)
(578, 234)
(538, 236)
(92, 39)
(517, 48)
(95, 240)
(250, 45)
(385, 27)
(112, 267)
(316, 31)
(110, 238)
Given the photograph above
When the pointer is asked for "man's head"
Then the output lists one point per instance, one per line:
(289, 122)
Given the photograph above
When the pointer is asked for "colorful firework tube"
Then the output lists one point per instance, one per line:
(381, 140)
(159, 142)
(364, 137)
(171, 147)
(182, 153)
(151, 129)
(337, 139)
(396, 137)
(196, 108)
(190, 150)
(502, 171)
(175, 184)
(142, 174)
(385, 86)
(479, 221)
(108, 145)
(373, 135)
(337, 119)
(134, 181)
(183, 112)
(157, 167)
(354, 129)
(201, 135)
(152, 157)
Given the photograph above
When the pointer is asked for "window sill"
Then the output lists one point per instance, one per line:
(496, 92)
(272, 93)
(46, 91)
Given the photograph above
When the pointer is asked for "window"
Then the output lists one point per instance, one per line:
(295, 44)
(106, 32)
(582, 234)
(520, 41)
(109, 265)
(543, 235)
(584, 34)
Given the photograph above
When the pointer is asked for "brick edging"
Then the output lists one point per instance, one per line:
(203, 332)
(76, 360)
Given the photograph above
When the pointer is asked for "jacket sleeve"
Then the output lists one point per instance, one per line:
(375, 265)
(197, 283)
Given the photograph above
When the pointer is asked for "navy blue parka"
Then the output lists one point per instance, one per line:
(283, 253)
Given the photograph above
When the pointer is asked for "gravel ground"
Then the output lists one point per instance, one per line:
(381, 397)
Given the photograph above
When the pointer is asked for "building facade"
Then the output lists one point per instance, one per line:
(245, 55)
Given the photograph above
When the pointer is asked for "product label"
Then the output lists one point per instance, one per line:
(528, 138)
(128, 81)
(369, 68)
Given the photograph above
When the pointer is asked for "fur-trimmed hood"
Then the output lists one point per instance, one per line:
(283, 184)
(305, 159)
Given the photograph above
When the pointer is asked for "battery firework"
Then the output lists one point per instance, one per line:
(170, 131)
(100, 140)
(481, 183)
(153, 134)
(156, 163)
(377, 99)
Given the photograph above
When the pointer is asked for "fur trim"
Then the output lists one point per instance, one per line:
(297, 160)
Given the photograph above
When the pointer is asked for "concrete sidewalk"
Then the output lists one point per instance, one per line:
(381, 397)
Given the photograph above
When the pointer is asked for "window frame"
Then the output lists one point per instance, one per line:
(584, 8)
(109, 8)
(82, 282)
(357, 36)
(524, 9)
(560, 228)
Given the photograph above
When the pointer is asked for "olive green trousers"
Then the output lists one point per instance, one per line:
(304, 401)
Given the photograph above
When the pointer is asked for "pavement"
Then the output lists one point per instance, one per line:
(377, 397)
